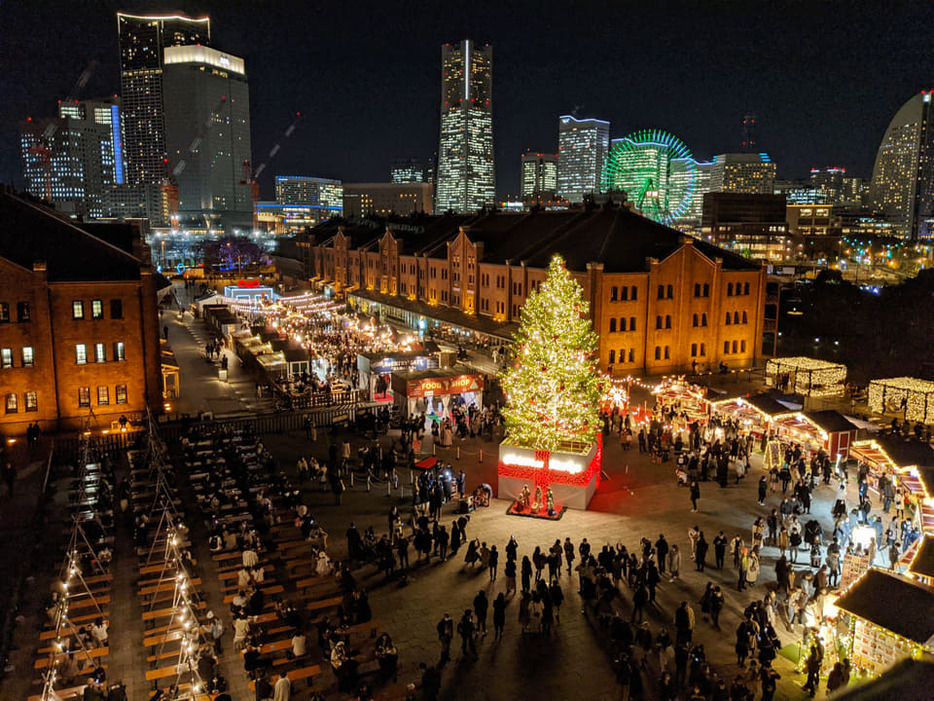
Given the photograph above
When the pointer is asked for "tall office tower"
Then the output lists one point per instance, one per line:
(749, 133)
(903, 175)
(466, 176)
(829, 180)
(582, 149)
(143, 39)
(207, 135)
(539, 176)
(701, 187)
(318, 193)
(408, 170)
(752, 173)
(76, 159)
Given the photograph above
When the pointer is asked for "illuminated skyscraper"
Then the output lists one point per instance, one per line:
(903, 175)
(582, 150)
(207, 135)
(829, 180)
(143, 40)
(408, 170)
(751, 173)
(539, 176)
(76, 159)
(466, 176)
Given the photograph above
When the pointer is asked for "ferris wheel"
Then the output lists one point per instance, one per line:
(657, 172)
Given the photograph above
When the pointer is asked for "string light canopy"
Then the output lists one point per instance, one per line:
(895, 394)
(808, 377)
(552, 388)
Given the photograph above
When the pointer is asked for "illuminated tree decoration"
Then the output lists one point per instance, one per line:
(552, 388)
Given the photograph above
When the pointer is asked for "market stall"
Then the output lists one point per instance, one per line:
(375, 369)
(903, 394)
(753, 414)
(808, 377)
(880, 633)
(435, 392)
(921, 564)
(680, 396)
(829, 431)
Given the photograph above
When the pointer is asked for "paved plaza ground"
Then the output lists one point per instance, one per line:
(638, 498)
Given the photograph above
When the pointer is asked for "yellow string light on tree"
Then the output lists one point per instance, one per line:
(552, 386)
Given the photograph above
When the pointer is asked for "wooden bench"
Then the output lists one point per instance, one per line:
(267, 591)
(168, 585)
(167, 612)
(296, 563)
(85, 603)
(99, 578)
(295, 675)
(168, 637)
(77, 621)
(322, 604)
(153, 675)
(94, 653)
(157, 569)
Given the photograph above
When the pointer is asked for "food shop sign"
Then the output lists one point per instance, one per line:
(433, 386)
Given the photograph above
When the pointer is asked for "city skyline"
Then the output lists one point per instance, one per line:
(801, 123)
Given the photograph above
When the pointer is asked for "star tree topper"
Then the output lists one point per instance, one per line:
(552, 387)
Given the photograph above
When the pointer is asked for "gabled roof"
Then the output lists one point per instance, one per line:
(905, 609)
(30, 232)
(923, 563)
(613, 235)
(830, 420)
(767, 404)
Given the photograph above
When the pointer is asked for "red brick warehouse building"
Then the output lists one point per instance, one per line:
(79, 324)
(659, 299)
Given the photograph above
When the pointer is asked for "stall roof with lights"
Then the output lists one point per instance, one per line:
(923, 562)
(766, 404)
(895, 603)
(907, 679)
(830, 420)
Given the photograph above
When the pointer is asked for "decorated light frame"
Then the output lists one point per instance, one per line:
(812, 377)
(917, 396)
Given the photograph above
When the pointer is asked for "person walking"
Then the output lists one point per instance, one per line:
(499, 615)
(283, 688)
(700, 555)
(743, 569)
(445, 636)
(494, 562)
(569, 554)
(480, 607)
(695, 495)
(510, 571)
(716, 606)
(467, 630)
(526, 573)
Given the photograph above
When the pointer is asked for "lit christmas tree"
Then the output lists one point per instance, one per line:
(552, 388)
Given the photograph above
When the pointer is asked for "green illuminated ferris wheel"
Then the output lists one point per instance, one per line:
(657, 172)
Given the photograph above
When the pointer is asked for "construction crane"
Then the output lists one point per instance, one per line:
(170, 181)
(43, 146)
(251, 177)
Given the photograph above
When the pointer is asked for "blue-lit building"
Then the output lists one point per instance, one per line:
(76, 160)
(301, 201)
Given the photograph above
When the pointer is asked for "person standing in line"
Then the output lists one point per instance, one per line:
(674, 562)
(569, 554)
(661, 549)
(701, 552)
(719, 549)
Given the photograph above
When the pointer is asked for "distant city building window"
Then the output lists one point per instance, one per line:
(32, 401)
(745, 319)
(121, 394)
(706, 290)
(670, 292)
(622, 323)
(28, 357)
(667, 352)
(6, 357)
(735, 346)
(613, 294)
(729, 289)
(4, 312)
(103, 396)
(100, 353)
(693, 350)
(726, 347)
(612, 356)
(633, 293)
(81, 354)
(11, 405)
(84, 396)
(22, 311)
(658, 352)
(632, 353)
(623, 293)
(703, 349)
(77, 309)
(746, 288)
(668, 321)
(742, 346)
(661, 292)
(703, 320)
(97, 309)
(694, 320)
(116, 309)
(632, 321)
(697, 289)
(612, 328)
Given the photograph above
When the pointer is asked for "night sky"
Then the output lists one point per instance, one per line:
(824, 78)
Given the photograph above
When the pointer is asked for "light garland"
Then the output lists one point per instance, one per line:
(812, 377)
(916, 395)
